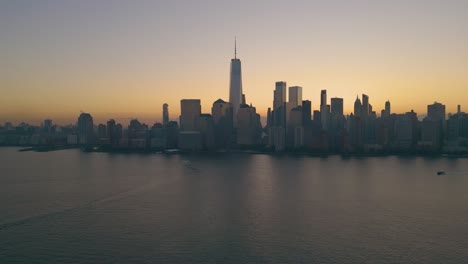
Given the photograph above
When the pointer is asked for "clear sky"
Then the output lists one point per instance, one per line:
(122, 59)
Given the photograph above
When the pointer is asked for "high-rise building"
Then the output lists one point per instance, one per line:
(269, 117)
(337, 124)
(365, 107)
(295, 132)
(306, 112)
(102, 132)
(165, 114)
(206, 128)
(85, 129)
(295, 96)
(405, 130)
(436, 112)
(433, 126)
(387, 108)
(190, 111)
(114, 133)
(337, 106)
(324, 110)
(47, 125)
(279, 95)
(235, 84)
(249, 128)
(223, 123)
(357, 107)
(323, 97)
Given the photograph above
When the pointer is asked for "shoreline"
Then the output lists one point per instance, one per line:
(238, 151)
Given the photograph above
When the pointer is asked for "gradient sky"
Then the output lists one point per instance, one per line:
(122, 59)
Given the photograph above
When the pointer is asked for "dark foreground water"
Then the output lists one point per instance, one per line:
(73, 207)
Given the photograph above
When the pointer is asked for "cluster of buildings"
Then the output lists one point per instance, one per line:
(291, 125)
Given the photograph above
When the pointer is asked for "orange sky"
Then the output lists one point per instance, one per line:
(123, 60)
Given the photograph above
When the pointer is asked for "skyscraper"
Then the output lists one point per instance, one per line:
(306, 112)
(165, 114)
(436, 112)
(365, 106)
(235, 84)
(190, 110)
(337, 106)
(295, 96)
(85, 129)
(387, 108)
(223, 123)
(324, 110)
(357, 107)
(279, 95)
(386, 112)
(323, 98)
(249, 128)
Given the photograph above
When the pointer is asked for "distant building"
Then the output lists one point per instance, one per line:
(172, 135)
(386, 112)
(72, 139)
(365, 107)
(295, 135)
(337, 106)
(306, 112)
(205, 126)
(85, 129)
(158, 136)
(279, 95)
(324, 110)
(102, 134)
(249, 128)
(47, 125)
(114, 133)
(337, 125)
(357, 107)
(405, 131)
(431, 135)
(165, 114)
(190, 111)
(436, 112)
(433, 127)
(137, 134)
(277, 130)
(323, 98)
(223, 123)
(190, 140)
(295, 96)
(235, 84)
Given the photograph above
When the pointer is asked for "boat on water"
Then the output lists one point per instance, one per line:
(441, 173)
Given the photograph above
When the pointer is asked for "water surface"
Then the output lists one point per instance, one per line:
(73, 207)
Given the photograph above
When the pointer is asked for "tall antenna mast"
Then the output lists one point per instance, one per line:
(235, 47)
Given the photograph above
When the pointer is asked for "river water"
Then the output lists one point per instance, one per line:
(73, 207)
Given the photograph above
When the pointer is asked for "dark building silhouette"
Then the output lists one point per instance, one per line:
(306, 112)
(433, 128)
(85, 125)
(165, 114)
(235, 84)
(189, 114)
(205, 126)
(249, 128)
(222, 113)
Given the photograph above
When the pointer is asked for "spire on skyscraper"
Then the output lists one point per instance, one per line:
(235, 47)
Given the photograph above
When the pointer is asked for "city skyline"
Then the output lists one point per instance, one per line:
(126, 61)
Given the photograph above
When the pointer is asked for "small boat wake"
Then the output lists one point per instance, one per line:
(440, 173)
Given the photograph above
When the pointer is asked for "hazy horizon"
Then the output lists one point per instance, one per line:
(122, 59)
